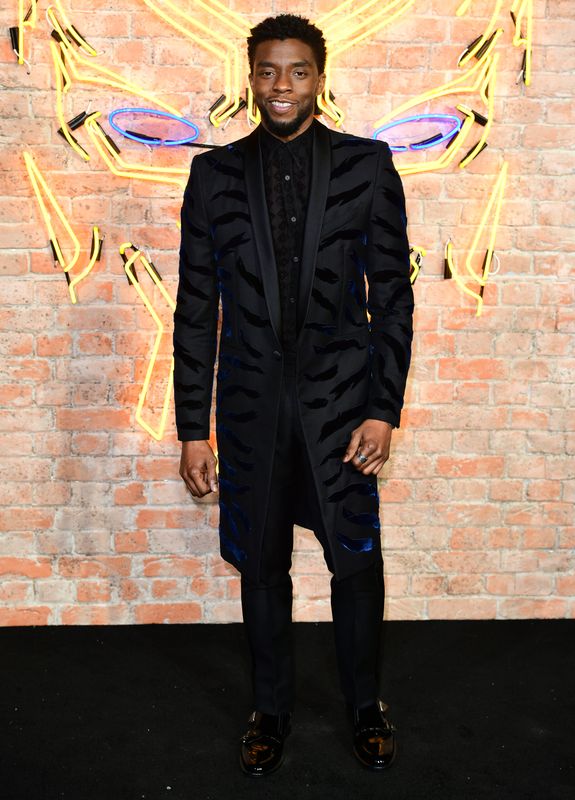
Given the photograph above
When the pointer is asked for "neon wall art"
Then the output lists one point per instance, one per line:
(435, 130)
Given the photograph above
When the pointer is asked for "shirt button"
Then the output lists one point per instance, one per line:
(276, 354)
(293, 219)
(287, 177)
(295, 259)
(292, 299)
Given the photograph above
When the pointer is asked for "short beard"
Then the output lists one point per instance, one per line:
(283, 129)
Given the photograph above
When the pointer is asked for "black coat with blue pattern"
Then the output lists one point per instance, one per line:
(353, 348)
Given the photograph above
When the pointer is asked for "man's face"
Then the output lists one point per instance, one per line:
(285, 83)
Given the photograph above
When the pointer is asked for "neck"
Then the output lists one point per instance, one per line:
(302, 129)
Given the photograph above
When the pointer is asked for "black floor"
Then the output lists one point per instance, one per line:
(483, 710)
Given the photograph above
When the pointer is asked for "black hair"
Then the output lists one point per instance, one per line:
(288, 26)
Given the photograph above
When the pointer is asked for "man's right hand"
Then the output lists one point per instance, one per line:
(198, 467)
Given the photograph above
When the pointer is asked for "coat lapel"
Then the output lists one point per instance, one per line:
(256, 194)
(321, 168)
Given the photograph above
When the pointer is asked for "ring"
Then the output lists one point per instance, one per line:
(362, 459)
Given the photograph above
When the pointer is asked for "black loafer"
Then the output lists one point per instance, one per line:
(373, 741)
(262, 745)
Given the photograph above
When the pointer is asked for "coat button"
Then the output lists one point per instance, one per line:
(276, 354)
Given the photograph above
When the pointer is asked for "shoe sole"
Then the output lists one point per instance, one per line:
(261, 774)
(376, 769)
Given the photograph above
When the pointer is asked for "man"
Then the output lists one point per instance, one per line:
(284, 226)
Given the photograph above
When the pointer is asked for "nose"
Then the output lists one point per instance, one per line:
(282, 82)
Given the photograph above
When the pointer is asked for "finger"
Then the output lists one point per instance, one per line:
(366, 454)
(380, 451)
(212, 477)
(353, 445)
(188, 483)
(191, 486)
(375, 467)
(380, 460)
(196, 479)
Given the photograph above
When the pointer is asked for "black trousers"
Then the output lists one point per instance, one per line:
(356, 601)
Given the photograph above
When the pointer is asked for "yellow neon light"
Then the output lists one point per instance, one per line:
(495, 200)
(342, 31)
(479, 79)
(415, 258)
(39, 185)
(488, 94)
(340, 36)
(69, 31)
(253, 111)
(45, 197)
(225, 15)
(157, 433)
(324, 101)
(106, 77)
(521, 9)
(486, 33)
(228, 52)
(123, 169)
(62, 86)
(456, 86)
(25, 20)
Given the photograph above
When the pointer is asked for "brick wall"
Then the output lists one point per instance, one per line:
(477, 511)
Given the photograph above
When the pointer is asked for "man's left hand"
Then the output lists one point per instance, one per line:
(371, 439)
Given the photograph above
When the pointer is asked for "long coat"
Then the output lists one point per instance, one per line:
(353, 346)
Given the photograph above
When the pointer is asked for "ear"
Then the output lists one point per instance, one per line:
(320, 83)
(251, 80)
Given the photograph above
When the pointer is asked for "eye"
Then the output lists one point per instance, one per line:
(300, 74)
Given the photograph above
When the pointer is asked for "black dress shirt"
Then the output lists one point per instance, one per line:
(287, 177)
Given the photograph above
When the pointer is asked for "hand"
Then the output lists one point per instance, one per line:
(198, 468)
(372, 439)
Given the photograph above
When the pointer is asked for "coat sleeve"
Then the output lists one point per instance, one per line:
(196, 314)
(390, 296)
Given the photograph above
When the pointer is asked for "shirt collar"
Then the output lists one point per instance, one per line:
(298, 147)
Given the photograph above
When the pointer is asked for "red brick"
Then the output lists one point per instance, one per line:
(96, 615)
(22, 615)
(173, 566)
(465, 584)
(458, 608)
(76, 419)
(168, 613)
(503, 538)
(470, 561)
(167, 588)
(15, 591)
(472, 369)
(539, 537)
(489, 466)
(32, 568)
(500, 584)
(467, 538)
(131, 542)
(129, 589)
(532, 609)
(100, 566)
(131, 494)
(528, 584)
(93, 591)
(566, 584)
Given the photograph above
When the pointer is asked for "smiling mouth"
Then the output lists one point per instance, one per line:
(281, 105)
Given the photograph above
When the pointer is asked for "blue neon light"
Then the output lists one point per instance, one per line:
(432, 141)
(154, 113)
